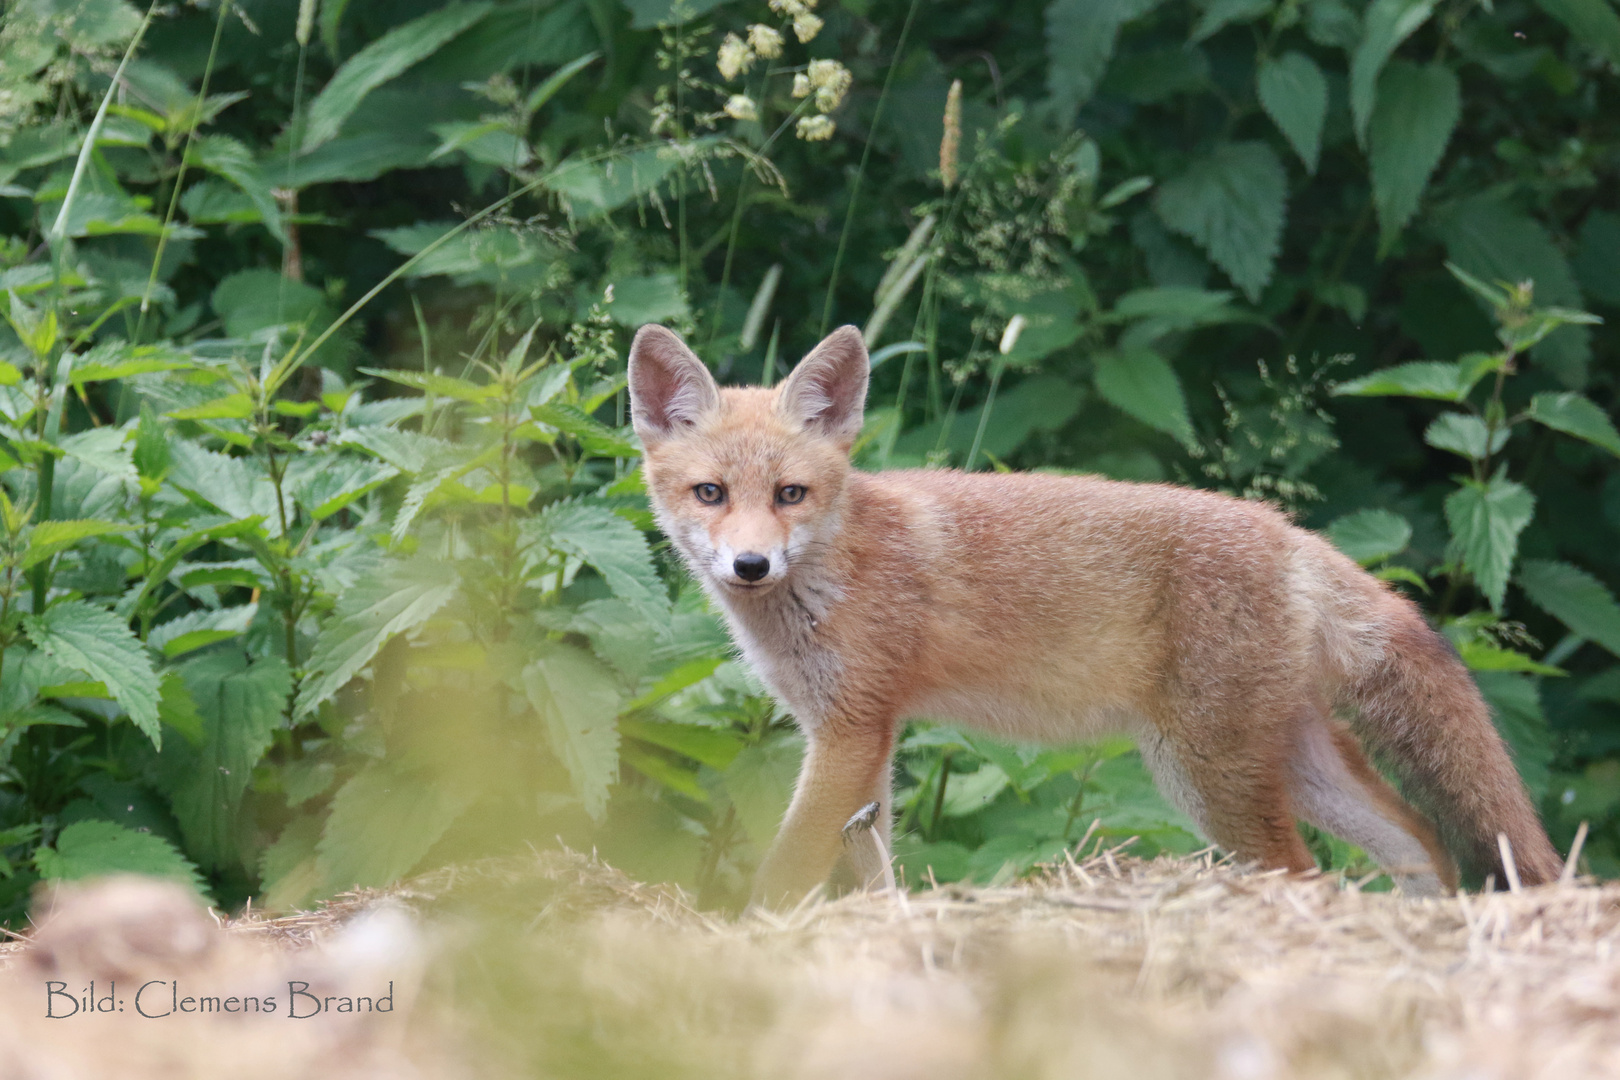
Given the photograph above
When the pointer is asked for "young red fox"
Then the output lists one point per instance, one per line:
(1060, 608)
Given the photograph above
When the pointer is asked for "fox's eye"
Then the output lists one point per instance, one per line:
(709, 493)
(790, 494)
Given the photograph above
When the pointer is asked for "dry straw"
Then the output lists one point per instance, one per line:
(1101, 966)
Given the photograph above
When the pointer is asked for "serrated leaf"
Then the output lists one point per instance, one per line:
(1142, 384)
(323, 484)
(230, 159)
(1080, 37)
(1418, 107)
(1575, 598)
(97, 642)
(1436, 380)
(595, 437)
(1232, 204)
(103, 449)
(1486, 520)
(195, 629)
(229, 407)
(382, 822)
(760, 782)
(614, 547)
(1294, 93)
(380, 61)
(88, 849)
(1387, 24)
(714, 747)
(1370, 536)
(577, 697)
(399, 596)
(1465, 435)
(241, 706)
(50, 537)
(432, 382)
(1575, 415)
(236, 487)
(1494, 242)
(151, 454)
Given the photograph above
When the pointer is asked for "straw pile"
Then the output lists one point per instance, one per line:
(1105, 967)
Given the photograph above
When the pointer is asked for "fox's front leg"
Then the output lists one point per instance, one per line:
(846, 760)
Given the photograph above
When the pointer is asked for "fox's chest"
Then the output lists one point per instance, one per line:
(782, 641)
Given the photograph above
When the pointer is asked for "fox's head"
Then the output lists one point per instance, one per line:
(748, 482)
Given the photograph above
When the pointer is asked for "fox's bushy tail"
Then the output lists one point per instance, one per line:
(1421, 715)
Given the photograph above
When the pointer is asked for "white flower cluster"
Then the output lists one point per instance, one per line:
(827, 81)
(806, 24)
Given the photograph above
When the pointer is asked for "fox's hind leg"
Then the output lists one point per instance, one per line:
(1334, 788)
(1232, 786)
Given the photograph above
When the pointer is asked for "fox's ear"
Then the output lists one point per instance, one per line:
(670, 389)
(827, 391)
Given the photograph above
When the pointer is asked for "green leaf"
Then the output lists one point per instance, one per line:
(595, 437)
(96, 848)
(1575, 598)
(1232, 204)
(382, 822)
(1294, 93)
(196, 629)
(151, 455)
(1387, 24)
(1417, 111)
(236, 406)
(1142, 384)
(399, 596)
(714, 747)
(760, 782)
(97, 642)
(103, 449)
(50, 537)
(1219, 14)
(1370, 536)
(577, 697)
(1492, 241)
(241, 706)
(1515, 703)
(1575, 415)
(1080, 38)
(1598, 261)
(1479, 654)
(230, 159)
(431, 382)
(1592, 23)
(1465, 435)
(1435, 380)
(616, 548)
(556, 81)
(323, 484)
(381, 61)
(1486, 520)
(654, 298)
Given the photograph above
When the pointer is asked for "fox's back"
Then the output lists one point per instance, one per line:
(1069, 594)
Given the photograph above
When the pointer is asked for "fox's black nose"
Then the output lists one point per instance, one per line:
(751, 567)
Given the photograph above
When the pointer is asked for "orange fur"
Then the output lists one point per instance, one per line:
(1061, 608)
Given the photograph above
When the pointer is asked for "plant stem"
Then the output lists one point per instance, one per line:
(860, 173)
(939, 795)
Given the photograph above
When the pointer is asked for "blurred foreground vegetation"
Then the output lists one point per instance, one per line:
(325, 556)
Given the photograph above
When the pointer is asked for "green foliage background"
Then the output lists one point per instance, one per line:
(326, 558)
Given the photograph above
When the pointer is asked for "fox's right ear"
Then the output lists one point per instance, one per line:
(670, 389)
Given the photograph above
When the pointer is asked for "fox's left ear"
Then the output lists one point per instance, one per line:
(827, 391)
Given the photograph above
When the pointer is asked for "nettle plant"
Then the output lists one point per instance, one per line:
(1488, 510)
